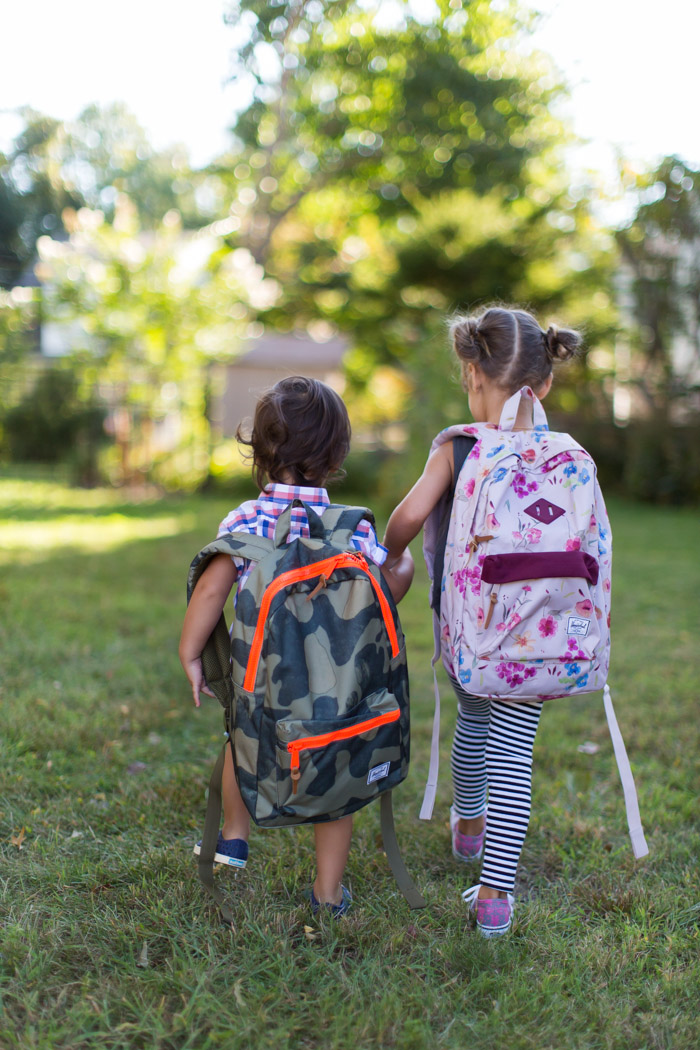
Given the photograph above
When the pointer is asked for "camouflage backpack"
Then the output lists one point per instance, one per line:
(313, 682)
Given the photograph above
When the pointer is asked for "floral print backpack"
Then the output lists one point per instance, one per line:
(524, 609)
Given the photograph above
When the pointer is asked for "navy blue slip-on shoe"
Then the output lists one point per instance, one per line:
(336, 911)
(228, 851)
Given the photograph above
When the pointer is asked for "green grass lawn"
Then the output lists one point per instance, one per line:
(107, 939)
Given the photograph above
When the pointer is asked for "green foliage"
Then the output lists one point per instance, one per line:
(107, 939)
(53, 424)
(146, 317)
(660, 248)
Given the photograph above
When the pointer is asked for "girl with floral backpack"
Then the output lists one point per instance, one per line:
(517, 542)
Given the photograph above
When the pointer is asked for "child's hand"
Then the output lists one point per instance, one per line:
(195, 676)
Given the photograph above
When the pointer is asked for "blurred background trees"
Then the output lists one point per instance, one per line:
(387, 169)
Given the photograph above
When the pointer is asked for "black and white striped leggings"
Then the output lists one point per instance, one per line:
(492, 751)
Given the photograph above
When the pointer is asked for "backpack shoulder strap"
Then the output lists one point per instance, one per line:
(216, 655)
(462, 446)
(340, 522)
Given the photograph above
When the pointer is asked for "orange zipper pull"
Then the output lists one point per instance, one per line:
(489, 612)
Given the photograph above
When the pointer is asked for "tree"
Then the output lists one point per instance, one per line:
(391, 170)
(147, 313)
(661, 249)
(89, 162)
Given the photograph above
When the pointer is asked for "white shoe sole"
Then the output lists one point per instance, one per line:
(221, 858)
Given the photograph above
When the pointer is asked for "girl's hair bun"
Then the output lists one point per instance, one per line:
(469, 342)
(561, 343)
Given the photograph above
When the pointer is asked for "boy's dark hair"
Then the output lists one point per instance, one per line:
(510, 348)
(300, 431)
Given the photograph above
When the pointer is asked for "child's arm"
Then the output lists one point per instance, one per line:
(203, 612)
(408, 518)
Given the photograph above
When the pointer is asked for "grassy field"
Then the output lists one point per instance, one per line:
(107, 939)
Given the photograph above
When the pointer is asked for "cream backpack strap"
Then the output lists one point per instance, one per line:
(634, 821)
(510, 409)
(426, 810)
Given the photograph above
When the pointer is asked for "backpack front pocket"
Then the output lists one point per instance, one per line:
(538, 606)
(333, 766)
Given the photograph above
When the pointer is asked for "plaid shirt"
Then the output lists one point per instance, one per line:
(259, 517)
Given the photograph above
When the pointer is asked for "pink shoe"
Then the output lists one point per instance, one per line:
(466, 848)
(493, 917)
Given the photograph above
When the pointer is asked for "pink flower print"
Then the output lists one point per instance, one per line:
(598, 613)
(592, 523)
(517, 536)
(529, 455)
(533, 535)
(527, 587)
(476, 451)
(460, 579)
(547, 626)
(524, 641)
(492, 521)
(469, 430)
(514, 621)
(479, 617)
(584, 608)
(573, 545)
(469, 488)
(501, 626)
(606, 585)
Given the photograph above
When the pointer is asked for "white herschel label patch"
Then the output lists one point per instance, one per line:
(378, 772)
(578, 625)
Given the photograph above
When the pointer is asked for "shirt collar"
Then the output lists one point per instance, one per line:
(278, 493)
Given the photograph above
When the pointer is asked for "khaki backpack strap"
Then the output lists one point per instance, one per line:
(393, 854)
(210, 836)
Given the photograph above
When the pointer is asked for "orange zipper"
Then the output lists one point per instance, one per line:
(286, 579)
(323, 739)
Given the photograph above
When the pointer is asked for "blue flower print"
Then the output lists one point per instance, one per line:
(498, 475)
(465, 675)
(582, 681)
(570, 469)
(584, 476)
(495, 451)
(572, 669)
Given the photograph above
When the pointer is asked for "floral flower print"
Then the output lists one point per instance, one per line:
(522, 486)
(570, 469)
(584, 477)
(584, 608)
(606, 584)
(529, 455)
(533, 535)
(495, 451)
(498, 475)
(547, 626)
(523, 641)
(469, 488)
(574, 544)
(492, 521)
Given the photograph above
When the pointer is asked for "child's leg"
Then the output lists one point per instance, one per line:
(332, 840)
(469, 761)
(236, 816)
(509, 770)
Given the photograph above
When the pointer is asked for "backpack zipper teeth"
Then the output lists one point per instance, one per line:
(319, 568)
(309, 743)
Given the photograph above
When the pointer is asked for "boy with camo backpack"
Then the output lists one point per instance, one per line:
(313, 680)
